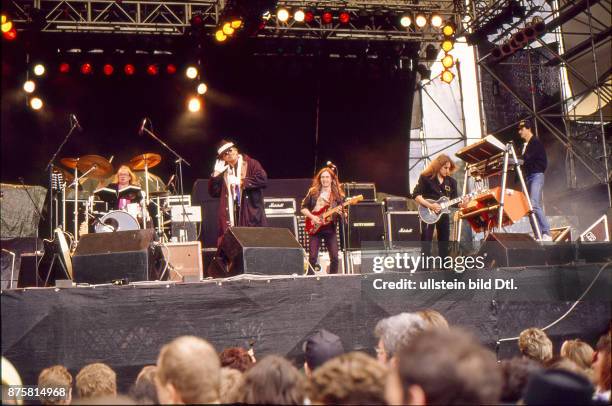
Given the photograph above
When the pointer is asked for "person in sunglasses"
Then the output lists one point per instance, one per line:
(238, 180)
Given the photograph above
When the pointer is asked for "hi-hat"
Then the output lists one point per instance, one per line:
(160, 193)
(102, 168)
(148, 159)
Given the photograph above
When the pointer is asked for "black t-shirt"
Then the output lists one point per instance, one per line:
(535, 157)
(431, 188)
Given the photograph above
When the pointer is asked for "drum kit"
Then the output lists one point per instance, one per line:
(89, 174)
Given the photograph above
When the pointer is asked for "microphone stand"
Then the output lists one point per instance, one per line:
(49, 167)
(40, 217)
(347, 268)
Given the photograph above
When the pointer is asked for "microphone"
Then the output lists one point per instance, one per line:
(171, 181)
(142, 126)
(330, 164)
(75, 121)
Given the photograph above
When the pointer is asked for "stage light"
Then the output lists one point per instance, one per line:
(86, 68)
(236, 24)
(170, 69)
(197, 21)
(448, 30)
(447, 45)
(448, 61)
(447, 76)
(344, 17)
(282, 14)
(192, 72)
(108, 69)
(39, 69)
(36, 103)
(299, 16)
(64, 67)
(29, 86)
(7, 25)
(202, 88)
(194, 105)
(10, 35)
(152, 70)
(436, 20)
(405, 21)
(129, 69)
(327, 17)
(309, 17)
(420, 20)
(227, 29)
(220, 36)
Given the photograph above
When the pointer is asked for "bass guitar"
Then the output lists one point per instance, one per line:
(429, 216)
(325, 214)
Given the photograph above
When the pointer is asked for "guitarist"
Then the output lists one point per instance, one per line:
(435, 181)
(325, 193)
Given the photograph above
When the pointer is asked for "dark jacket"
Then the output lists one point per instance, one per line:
(310, 201)
(534, 157)
(252, 213)
(113, 201)
(430, 188)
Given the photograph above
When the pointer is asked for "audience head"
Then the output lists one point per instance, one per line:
(558, 387)
(96, 380)
(567, 365)
(535, 344)
(354, 378)
(579, 352)
(602, 365)
(230, 379)
(236, 358)
(272, 380)
(393, 330)
(56, 376)
(188, 371)
(319, 348)
(515, 375)
(433, 319)
(444, 367)
(10, 376)
(144, 391)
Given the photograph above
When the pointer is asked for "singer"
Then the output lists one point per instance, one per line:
(324, 193)
(238, 180)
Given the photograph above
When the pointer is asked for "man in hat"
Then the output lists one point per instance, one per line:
(319, 348)
(238, 180)
(534, 156)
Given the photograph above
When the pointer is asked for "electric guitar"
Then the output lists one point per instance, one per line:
(325, 214)
(429, 216)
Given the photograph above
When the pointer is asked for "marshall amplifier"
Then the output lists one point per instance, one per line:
(368, 190)
(279, 206)
(288, 221)
(403, 227)
(366, 226)
(396, 204)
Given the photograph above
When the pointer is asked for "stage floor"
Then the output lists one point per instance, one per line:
(125, 326)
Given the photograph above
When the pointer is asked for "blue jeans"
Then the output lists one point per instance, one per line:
(535, 184)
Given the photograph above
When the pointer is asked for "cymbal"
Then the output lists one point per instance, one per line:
(138, 162)
(161, 193)
(68, 177)
(103, 168)
(69, 162)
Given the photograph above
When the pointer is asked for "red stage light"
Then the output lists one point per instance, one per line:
(64, 67)
(196, 20)
(308, 17)
(344, 17)
(327, 17)
(10, 35)
(86, 68)
(108, 69)
(171, 69)
(152, 70)
(129, 69)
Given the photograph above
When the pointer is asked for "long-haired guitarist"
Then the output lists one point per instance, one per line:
(436, 182)
(325, 192)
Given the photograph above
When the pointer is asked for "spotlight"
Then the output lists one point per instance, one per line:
(170, 69)
(227, 29)
(64, 67)
(194, 105)
(436, 20)
(236, 24)
(299, 16)
(129, 69)
(220, 36)
(202, 88)
(447, 45)
(420, 20)
(327, 17)
(7, 25)
(448, 30)
(448, 61)
(309, 17)
(152, 70)
(29, 86)
(108, 69)
(191, 72)
(86, 68)
(282, 14)
(447, 76)
(405, 21)
(344, 17)
(36, 103)
(10, 35)
(39, 69)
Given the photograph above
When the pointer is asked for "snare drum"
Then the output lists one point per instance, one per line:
(117, 220)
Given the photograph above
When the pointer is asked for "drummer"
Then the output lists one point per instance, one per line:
(127, 186)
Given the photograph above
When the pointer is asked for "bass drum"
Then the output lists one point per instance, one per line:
(117, 220)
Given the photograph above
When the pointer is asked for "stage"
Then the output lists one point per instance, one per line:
(125, 326)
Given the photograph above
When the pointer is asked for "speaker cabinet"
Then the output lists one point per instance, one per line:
(105, 257)
(288, 221)
(366, 225)
(511, 249)
(262, 250)
(184, 260)
(403, 227)
(598, 231)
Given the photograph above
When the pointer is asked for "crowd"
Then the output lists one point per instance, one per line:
(420, 360)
